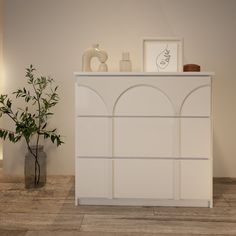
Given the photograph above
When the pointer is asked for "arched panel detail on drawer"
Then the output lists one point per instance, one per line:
(90, 102)
(143, 100)
(197, 102)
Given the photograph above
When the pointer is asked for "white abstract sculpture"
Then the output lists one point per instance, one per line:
(95, 51)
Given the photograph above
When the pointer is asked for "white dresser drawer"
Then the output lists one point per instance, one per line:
(144, 179)
(195, 137)
(145, 137)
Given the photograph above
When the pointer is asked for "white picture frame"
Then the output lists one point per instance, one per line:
(162, 54)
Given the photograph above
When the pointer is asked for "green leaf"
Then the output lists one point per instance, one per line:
(5, 135)
(9, 103)
(53, 138)
(44, 126)
(59, 142)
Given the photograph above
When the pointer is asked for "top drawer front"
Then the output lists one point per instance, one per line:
(144, 96)
(197, 102)
(90, 102)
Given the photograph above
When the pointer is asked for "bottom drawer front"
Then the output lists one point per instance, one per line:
(195, 179)
(93, 178)
(143, 179)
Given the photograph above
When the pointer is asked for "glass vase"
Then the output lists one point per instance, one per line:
(35, 171)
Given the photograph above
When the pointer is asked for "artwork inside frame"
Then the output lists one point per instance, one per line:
(162, 55)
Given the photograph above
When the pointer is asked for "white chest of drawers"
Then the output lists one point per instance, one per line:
(144, 139)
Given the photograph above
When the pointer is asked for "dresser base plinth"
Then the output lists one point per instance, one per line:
(144, 202)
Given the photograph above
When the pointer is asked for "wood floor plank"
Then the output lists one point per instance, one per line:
(219, 201)
(34, 206)
(78, 233)
(39, 221)
(226, 188)
(117, 210)
(13, 232)
(66, 206)
(231, 202)
(106, 223)
(216, 214)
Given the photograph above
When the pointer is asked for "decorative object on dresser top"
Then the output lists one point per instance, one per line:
(125, 63)
(89, 54)
(162, 54)
(31, 123)
(153, 149)
(192, 67)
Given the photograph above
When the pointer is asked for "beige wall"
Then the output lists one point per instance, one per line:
(1, 62)
(52, 35)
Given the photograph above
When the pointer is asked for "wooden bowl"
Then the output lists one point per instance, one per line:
(192, 67)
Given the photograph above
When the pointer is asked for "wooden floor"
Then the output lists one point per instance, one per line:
(51, 211)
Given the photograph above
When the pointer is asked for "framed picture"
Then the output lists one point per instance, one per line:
(162, 55)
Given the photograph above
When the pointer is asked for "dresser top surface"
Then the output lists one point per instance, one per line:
(77, 74)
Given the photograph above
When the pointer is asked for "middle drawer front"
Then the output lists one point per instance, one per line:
(93, 137)
(195, 138)
(145, 137)
(162, 137)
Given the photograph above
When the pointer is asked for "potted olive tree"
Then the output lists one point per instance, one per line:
(31, 123)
